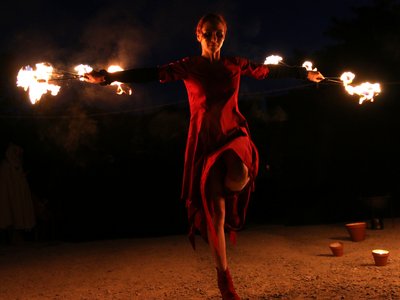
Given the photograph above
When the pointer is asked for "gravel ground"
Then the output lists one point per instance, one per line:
(268, 262)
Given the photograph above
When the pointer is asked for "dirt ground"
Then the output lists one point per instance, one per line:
(268, 262)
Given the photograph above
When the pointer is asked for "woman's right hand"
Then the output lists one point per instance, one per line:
(97, 77)
(315, 76)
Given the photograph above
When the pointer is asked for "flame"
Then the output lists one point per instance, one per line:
(37, 81)
(121, 88)
(272, 60)
(82, 70)
(380, 251)
(347, 78)
(308, 66)
(365, 90)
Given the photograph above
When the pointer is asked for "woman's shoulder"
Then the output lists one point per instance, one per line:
(191, 61)
(198, 59)
(186, 60)
(236, 58)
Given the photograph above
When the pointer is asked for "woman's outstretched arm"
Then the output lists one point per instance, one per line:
(140, 75)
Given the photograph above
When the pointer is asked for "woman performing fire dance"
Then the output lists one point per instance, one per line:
(221, 160)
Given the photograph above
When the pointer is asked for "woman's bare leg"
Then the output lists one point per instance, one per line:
(216, 196)
(229, 173)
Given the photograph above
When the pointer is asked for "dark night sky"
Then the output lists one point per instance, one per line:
(165, 28)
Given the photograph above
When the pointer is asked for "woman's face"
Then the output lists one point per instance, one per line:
(211, 36)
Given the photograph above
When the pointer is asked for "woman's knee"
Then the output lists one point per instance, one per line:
(237, 175)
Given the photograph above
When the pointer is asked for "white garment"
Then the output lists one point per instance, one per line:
(16, 206)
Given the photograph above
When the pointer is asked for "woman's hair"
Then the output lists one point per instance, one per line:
(213, 18)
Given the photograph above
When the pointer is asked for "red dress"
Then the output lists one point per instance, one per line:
(216, 125)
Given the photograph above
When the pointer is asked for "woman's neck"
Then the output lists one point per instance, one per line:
(215, 56)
